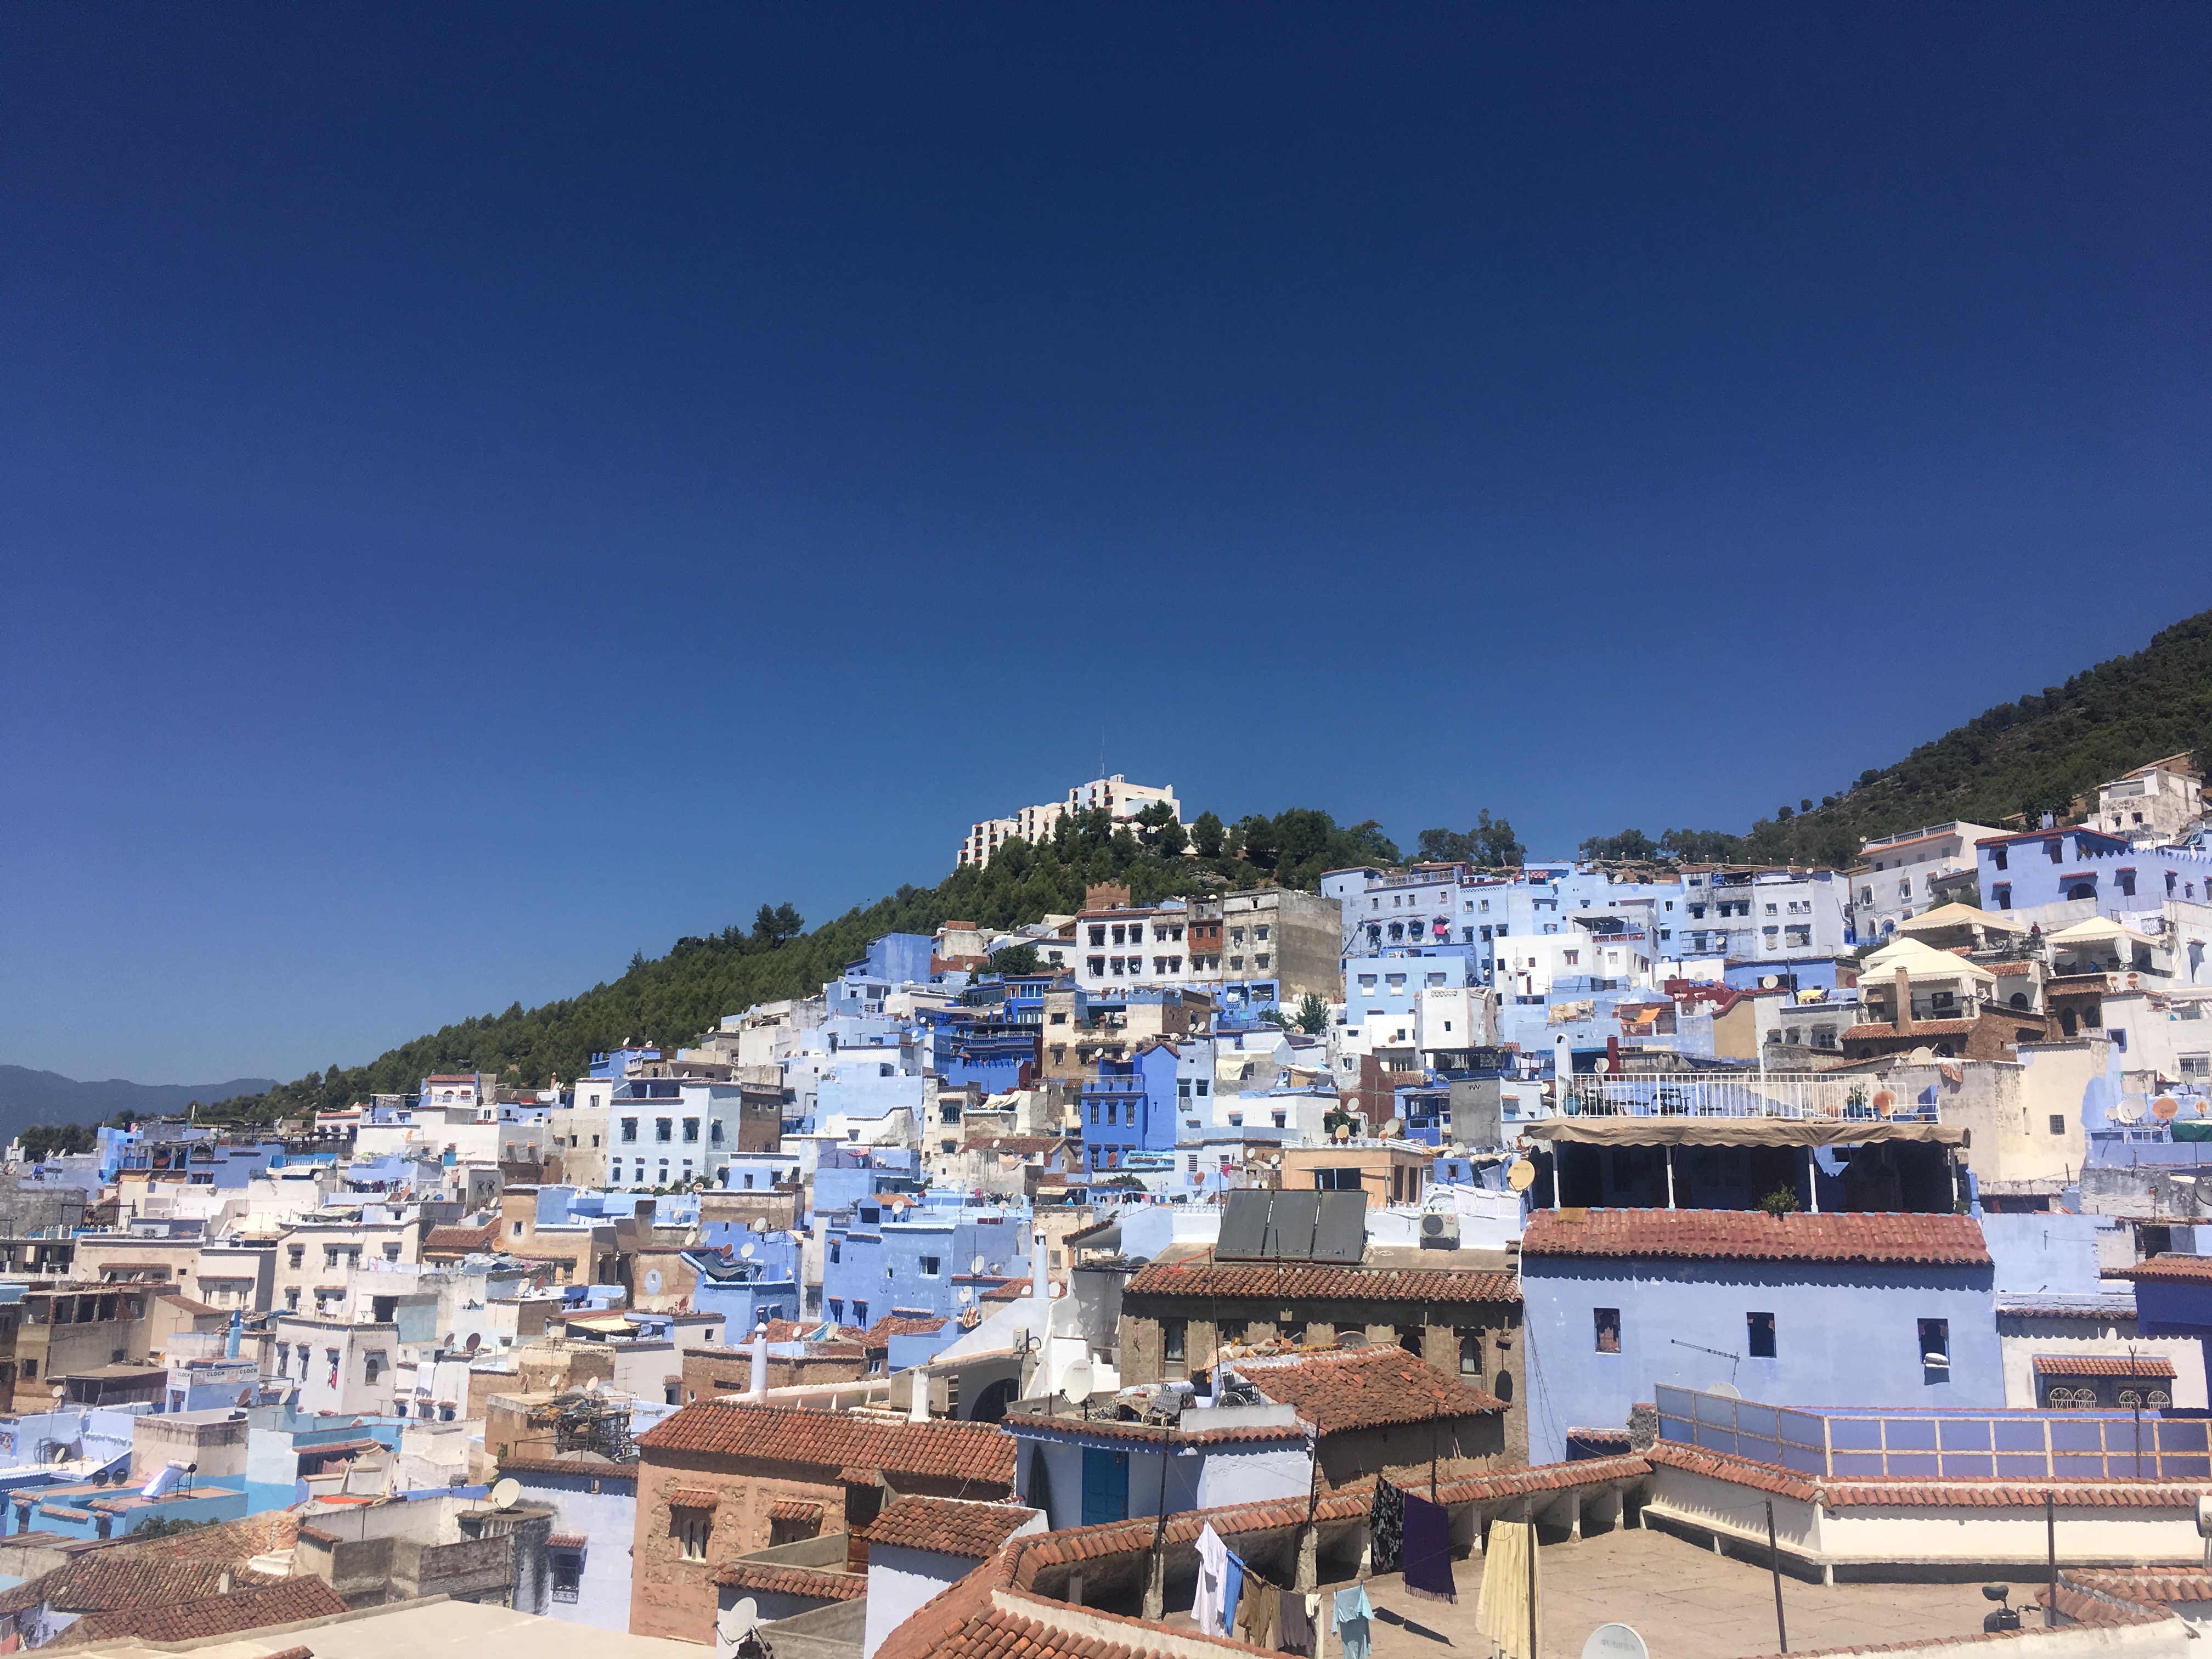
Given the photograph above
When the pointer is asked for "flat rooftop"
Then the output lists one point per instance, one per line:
(426, 1629)
(1685, 1601)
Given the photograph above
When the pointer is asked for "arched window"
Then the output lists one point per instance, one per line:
(2082, 889)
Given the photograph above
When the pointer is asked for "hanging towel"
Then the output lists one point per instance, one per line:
(1206, 1607)
(1353, 1614)
(1386, 1528)
(1295, 1624)
(1232, 1592)
(1428, 1550)
(1259, 1611)
(1503, 1614)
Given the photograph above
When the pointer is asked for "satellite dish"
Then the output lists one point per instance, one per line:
(1075, 1383)
(1768, 982)
(2128, 1111)
(653, 1281)
(734, 1624)
(1521, 1176)
(1726, 1390)
(1056, 1288)
(1615, 1642)
(506, 1494)
(976, 1265)
(1884, 1102)
(746, 1250)
(59, 1393)
(474, 1342)
(760, 1225)
(1601, 1065)
(966, 1293)
(2164, 1109)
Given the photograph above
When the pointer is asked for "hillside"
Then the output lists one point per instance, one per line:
(671, 1000)
(28, 1097)
(2030, 757)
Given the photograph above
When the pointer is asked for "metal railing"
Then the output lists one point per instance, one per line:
(1776, 1094)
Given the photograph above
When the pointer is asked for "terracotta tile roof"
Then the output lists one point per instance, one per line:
(1754, 1236)
(1008, 1290)
(1034, 1426)
(2147, 1584)
(461, 1239)
(980, 1452)
(1299, 1281)
(1364, 1387)
(791, 1509)
(2101, 1365)
(567, 1541)
(2172, 1270)
(188, 1567)
(288, 1601)
(1956, 1492)
(792, 1581)
(879, 1334)
(2009, 969)
(948, 1527)
(693, 1498)
(1920, 1028)
(565, 1466)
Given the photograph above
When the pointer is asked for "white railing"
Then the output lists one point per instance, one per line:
(1776, 1094)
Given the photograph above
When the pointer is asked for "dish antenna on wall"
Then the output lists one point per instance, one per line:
(761, 1225)
(966, 1293)
(506, 1494)
(2128, 1111)
(976, 1265)
(746, 1250)
(1075, 1383)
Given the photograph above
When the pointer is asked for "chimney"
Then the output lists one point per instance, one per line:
(1039, 1283)
(919, 1411)
(758, 1392)
(1901, 1015)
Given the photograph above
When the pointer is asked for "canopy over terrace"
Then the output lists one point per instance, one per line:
(1945, 917)
(1734, 1162)
(1919, 961)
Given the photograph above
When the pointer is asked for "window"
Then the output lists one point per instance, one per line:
(929, 1267)
(2003, 891)
(629, 1128)
(1608, 1323)
(1172, 1332)
(1470, 1353)
(568, 1574)
(1409, 1339)
(1759, 1333)
(1336, 1180)
(694, 1527)
(299, 1253)
(691, 1131)
(1935, 1346)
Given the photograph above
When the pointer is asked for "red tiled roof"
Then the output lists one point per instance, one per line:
(161, 1572)
(693, 1498)
(791, 1509)
(567, 1541)
(879, 1334)
(2147, 1584)
(2009, 969)
(2101, 1365)
(792, 1581)
(837, 1440)
(1294, 1281)
(948, 1527)
(1010, 1290)
(458, 1238)
(2171, 1270)
(290, 1601)
(1364, 1387)
(1952, 1492)
(565, 1466)
(1920, 1028)
(1754, 1236)
(1037, 1426)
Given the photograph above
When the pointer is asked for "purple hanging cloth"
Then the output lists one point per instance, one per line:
(1428, 1550)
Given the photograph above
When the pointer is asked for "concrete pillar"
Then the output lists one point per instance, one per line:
(1075, 1588)
(1903, 994)
(1156, 1587)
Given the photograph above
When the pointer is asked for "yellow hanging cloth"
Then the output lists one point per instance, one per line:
(1503, 1614)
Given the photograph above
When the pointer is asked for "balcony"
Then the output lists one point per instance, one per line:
(1776, 1094)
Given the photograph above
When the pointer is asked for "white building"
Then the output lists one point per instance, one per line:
(1896, 875)
(1119, 798)
(2152, 802)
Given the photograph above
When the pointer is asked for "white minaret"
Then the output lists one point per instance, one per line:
(1040, 1286)
(758, 1392)
(919, 1411)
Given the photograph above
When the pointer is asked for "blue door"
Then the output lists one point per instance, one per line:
(1105, 1486)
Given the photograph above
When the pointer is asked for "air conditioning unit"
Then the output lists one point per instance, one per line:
(1440, 1231)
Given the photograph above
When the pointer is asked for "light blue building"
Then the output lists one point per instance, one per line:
(2038, 867)
(1850, 1310)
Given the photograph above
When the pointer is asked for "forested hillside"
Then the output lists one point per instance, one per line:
(2030, 755)
(670, 1000)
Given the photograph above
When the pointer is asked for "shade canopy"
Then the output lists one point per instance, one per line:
(1946, 916)
(1921, 961)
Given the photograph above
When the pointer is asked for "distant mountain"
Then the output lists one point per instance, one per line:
(28, 1097)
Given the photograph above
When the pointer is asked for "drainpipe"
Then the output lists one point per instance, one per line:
(759, 1392)
(1903, 994)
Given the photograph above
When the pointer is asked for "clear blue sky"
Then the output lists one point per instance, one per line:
(487, 489)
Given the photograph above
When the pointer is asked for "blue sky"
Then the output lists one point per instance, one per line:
(484, 492)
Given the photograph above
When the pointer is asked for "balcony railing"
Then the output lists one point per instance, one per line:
(1776, 1094)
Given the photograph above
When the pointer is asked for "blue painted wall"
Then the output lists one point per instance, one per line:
(1844, 1335)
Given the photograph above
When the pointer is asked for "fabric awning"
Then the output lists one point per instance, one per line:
(1945, 917)
(2098, 930)
(1741, 1131)
(1920, 962)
